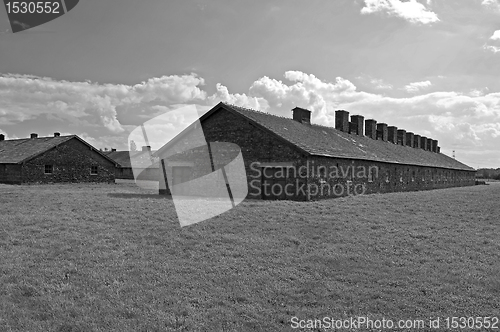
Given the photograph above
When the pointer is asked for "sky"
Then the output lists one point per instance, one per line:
(427, 66)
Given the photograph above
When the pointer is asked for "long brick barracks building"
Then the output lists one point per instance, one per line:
(372, 157)
(52, 160)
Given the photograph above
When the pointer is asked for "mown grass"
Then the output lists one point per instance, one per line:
(113, 258)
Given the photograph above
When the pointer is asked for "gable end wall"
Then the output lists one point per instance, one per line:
(256, 145)
(71, 162)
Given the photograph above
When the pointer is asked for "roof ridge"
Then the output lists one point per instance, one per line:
(322, 126)
(278, 116)
(28, 138)
(256, 111)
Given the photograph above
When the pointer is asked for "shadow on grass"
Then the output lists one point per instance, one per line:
(140, 196)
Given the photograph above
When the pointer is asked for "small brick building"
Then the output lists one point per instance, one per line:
(52, 160)
(124, 165)
(308, 161)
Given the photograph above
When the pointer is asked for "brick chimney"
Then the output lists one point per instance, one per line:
(402, 137)
(56, 134)
(302, 115)
(371, 128)
(429, 144)
(146, 148)
(434, 145)
(382, 131)
(423, 142)
(409, 139)
(438, 149)
(2, 137)
(358, 121)
(416, 141)
(33, 135)
(392, 133)
(342, 121)
(352, 128)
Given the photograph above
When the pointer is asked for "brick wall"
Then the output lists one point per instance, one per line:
(352, 176)
(149, 174)
(124, 173)
(10, 173)
(256, 146)
(71, 162)
(346, 176)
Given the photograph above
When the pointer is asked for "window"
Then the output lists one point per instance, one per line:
(93, 170)
(322, 171)
(49, 169)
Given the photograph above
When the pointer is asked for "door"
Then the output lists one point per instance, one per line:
(180, 176)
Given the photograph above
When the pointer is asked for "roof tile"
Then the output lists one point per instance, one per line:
(17, 150)
(327, 141)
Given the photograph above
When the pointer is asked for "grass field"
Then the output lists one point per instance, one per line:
(92, 257)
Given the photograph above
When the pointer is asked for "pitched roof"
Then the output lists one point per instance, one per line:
(327, 141)
(122, 158)
(16, 151)
(319, 140)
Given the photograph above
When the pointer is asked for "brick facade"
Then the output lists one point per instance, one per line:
(336, 176)
(71, 161)
(10, 173)
(386, 177)
(223, 126)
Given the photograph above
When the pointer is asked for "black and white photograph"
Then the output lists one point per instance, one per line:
(237, 165)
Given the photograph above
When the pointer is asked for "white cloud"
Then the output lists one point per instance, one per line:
(237, 99)
(380, 84)
(412, 11)
(417, 86)
(478, 92)
(87, 107)
(170, 89)
(496, 35)
(496, 38)
(492, 48)
(467, 122)
(24, 97)
(492, 4)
